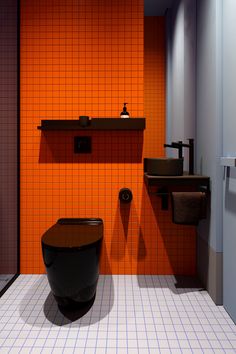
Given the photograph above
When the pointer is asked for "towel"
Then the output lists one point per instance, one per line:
(188, 207)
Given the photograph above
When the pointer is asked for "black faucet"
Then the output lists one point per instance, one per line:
(176, 145)
(180, 145)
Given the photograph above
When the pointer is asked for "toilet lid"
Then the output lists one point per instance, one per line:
(73, 233)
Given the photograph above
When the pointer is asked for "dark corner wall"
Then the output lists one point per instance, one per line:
(8, 137)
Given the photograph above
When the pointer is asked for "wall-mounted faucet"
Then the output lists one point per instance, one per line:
(180, 145)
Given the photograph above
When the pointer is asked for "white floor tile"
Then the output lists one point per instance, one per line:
(131, 315)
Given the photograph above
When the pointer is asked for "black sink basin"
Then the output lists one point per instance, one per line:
(163, 166)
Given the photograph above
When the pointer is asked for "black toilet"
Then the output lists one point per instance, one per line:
(71, 251)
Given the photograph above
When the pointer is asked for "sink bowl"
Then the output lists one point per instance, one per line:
(163, 166)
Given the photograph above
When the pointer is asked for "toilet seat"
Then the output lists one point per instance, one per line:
(73, 233)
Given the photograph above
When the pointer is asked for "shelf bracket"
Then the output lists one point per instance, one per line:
(163, 193)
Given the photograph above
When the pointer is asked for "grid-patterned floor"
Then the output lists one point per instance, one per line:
(131, 314)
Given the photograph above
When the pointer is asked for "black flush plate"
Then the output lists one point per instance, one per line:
(82, 144)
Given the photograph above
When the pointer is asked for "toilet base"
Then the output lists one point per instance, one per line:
(75, 299)
(69, 303)
(74, 310)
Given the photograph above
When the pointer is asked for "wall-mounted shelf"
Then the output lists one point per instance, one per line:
(165, 184)
(95, 124)
(228, 161)
(185, 180)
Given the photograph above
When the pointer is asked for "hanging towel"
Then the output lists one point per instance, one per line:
(188, 207)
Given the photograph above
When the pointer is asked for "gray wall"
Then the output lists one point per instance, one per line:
(177, 69)
(209, 112)
(181, 73)
(229, 78)
(194, 109)
(209, 140)
(229, 149)
(8, 137)
(189, 68)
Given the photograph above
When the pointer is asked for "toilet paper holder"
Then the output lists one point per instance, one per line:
(125, 195)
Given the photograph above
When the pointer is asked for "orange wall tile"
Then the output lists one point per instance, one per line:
(87, 58)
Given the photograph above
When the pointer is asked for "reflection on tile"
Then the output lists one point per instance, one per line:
(5, 279)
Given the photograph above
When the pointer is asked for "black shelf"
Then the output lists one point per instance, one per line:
(166, 184)
(185, 180)
(95, 124)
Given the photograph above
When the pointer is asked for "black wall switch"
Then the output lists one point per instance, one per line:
(82, 144)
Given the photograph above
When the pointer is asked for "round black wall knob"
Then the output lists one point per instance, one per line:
(125, 195)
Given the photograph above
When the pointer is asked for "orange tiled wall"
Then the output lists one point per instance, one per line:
(87, 58)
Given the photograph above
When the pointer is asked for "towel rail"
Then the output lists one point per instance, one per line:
(164, 194)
